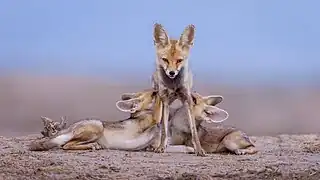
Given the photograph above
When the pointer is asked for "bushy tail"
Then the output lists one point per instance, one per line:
(44, 145)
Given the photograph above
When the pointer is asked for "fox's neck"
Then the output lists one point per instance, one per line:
(144, 118)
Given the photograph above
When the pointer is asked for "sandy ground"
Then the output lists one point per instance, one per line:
(262, 112)
(280, 157)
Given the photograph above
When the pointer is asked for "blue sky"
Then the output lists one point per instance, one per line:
(247, 40)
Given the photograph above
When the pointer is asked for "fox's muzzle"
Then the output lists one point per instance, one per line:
(172, 74)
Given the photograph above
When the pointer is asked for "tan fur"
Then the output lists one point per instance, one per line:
(214, 138)
(173, 79)
(134, 133)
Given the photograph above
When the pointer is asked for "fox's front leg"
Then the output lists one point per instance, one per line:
(194, 133)
(164, 127)
(157, 116)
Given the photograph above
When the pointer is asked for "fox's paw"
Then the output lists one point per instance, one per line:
(96, 146)
(241, 152)
(150, 149)
(200, 152)
(160, 149)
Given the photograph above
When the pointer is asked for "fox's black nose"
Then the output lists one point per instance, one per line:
(172, 73)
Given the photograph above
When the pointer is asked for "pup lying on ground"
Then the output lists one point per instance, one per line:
(134, 133)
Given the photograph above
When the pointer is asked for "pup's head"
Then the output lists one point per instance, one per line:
(172, 54)
(204, 108)
(51, 127)
(134, 102)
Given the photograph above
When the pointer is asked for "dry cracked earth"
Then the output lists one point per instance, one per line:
(280, 157)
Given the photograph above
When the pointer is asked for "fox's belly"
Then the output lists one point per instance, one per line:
(115, 138)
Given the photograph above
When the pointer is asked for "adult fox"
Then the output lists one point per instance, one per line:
(173, 79)
(133, 133)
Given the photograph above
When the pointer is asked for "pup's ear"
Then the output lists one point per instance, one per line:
(130, 106)
(46, 120)
(196, 97)
(187, 37)
(213, 100)
(215, 114)
(160, 36)
(62, 124)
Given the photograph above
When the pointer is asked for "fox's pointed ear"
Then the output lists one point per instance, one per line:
(213, 100)
(215, 114)
(46, 120)
(62, 123)
(160, 36)
(128, 96)
(130, 106)
(195, 97)
(187, 37)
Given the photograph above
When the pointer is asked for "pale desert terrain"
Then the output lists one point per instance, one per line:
(283, 123)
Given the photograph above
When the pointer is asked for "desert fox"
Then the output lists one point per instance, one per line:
(173, 79)
(134, 133)
(213, 137)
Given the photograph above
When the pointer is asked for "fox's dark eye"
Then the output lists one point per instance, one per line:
(179, 60)
(165, 60)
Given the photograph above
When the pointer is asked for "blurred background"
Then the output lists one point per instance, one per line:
(75, 58)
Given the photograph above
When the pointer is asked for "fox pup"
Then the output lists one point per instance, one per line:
(134, 133)
(173, 79)
(214, 138)
(51, 127)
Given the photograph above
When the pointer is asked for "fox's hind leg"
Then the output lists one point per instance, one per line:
(76, 145)
(85, 136)
(83, 140)
(239, 143)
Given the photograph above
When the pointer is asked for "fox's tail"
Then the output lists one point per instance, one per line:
(142, 141)
(45, 145)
